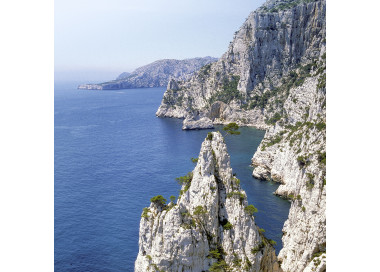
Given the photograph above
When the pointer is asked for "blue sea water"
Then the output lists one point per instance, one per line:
(112, 155)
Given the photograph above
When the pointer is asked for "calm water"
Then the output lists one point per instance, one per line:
(112, 155)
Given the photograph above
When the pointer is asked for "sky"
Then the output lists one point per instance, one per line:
(98, 40)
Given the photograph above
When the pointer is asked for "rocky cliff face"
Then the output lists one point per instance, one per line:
(266, 51)
(293, 152)
(273, 77)
(156, 74)
(210, 227)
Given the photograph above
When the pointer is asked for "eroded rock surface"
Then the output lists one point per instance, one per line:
(209, 226)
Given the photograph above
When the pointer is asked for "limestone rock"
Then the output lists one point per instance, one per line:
(297, 159)
(207, 226)
(271, 44)
(202, 123)
(317, 265)
(273, 77)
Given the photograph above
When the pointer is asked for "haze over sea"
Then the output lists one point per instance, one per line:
(112, 154)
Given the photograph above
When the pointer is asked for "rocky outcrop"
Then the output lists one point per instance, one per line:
(156, 74)
(202, 123)
(273, 77)
(209, 228)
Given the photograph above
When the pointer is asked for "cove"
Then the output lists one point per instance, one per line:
(112, 155)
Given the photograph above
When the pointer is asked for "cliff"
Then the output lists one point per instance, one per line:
(246, 84)
(273, 77)
(293, 152)
(209, 228)
(156, 74)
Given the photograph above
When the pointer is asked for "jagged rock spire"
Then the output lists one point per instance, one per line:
(209, 226)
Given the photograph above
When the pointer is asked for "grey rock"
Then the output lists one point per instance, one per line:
(202, 123)
(181, 235)
(156, 74)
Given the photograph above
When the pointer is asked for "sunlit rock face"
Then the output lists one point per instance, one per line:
(208, 226)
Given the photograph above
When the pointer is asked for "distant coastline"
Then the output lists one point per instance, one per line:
(156, 74)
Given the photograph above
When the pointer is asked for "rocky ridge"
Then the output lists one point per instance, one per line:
(156, 74)
(273, 77)
(211, 227)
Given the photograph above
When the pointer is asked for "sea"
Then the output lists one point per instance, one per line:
(111, 155)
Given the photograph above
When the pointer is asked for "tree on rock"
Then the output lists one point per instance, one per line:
(158, 200)
(232, 128)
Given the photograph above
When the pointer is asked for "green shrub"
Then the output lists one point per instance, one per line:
(238, 194)
(172, 198)
(209, 136)
(322, 81)
(215, 254)
(229, 90)
(303, 161)
(145, 213)
(272, 141)
(185, 180)
(220, 266)
(236, 261)
(194, 160)
(227, 226)
(303, 208)
(322, 158)
(248, 264)
(310, 181)
(205, 70)
(159, 200)
(276, 117)
(258, 248)
(199, 210)
(272, 242)
(318, 254)
(250, 209)
(320, 126)
(261, 230)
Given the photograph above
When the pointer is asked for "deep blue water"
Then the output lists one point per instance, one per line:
(112, 155)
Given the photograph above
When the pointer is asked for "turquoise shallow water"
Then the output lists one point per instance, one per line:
(112, 155)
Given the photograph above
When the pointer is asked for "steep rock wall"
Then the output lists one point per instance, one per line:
(264, 52)
(209, 227)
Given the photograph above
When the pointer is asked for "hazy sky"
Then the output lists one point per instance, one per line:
(97, 39)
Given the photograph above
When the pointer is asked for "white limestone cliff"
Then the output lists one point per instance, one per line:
(273, 77)
(264, 51)
(294, 154)
(209, 226)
